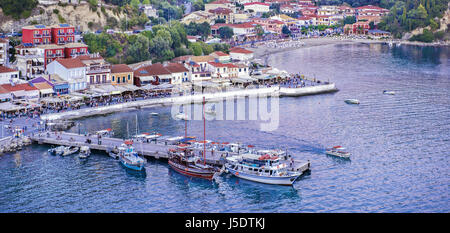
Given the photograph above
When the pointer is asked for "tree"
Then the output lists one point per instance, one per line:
(198, 5)
(349, 20)
(196, 48)
(259, 30)
(285, 30)
(226, 32)
(18, 9)
(135, 3)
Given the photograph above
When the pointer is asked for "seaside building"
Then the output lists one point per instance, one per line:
(221, 56)
(8, 75)
(370, 13)
(155, 74)
(30, 61)
(21, 91)
(222, 70)
(241, 54)
(97, 69)
(72, 70)
(358, 28)
(121, 74)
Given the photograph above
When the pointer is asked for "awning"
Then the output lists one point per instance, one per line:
(46, 91)
(146, 78)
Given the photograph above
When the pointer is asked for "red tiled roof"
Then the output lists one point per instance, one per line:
(256, 3)
(4, 69)
(3, 40)
(218, 64)
(221, 10)
(240, 50)
(176, 68)
(220, 54)
(219, 2)
(70, 63)
(19, 87)
(120, 68)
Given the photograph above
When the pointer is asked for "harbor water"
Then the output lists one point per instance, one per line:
(400, 146)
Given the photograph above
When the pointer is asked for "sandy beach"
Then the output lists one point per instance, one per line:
(262, 50)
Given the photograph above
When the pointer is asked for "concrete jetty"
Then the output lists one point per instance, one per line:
(196, 98)
(155, 149)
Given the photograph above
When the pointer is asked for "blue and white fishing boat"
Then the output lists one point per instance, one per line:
(261, 168)
(129, 158)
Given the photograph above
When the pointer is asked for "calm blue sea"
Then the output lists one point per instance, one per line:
(400, 146)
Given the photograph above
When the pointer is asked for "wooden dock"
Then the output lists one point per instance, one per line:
(154, 149)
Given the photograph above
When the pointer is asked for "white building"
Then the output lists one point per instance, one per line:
(4, 46)
(149, 11)
(240, 54)
(8, 75)
(257, 7)
(71, 70)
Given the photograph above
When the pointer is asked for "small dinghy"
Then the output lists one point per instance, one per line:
(352, 101)
(389, 92)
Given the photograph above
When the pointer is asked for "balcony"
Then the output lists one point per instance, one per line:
(37, 36)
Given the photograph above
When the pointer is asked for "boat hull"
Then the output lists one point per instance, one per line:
(282, 180)
(131, 166)
(183, 170)
(345, 156)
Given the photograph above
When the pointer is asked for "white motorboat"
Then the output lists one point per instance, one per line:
(352, 101)
(389, 92)
(181, 116)
(56, 150)
(68, 150)
(261, 168)
(84, 153)
(338, 151)
(154, 114)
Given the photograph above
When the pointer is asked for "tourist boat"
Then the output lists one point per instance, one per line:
(84, 152)
(154, 114)
(68, 150)
(129, 158)
(181, 116)
(261, 168)
(56, 150)
(185, 162)
(338, 151)
(352, 101)
(389, 92)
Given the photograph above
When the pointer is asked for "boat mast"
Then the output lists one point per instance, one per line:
(204, 133)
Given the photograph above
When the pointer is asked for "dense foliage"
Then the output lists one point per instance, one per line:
(162, 43)
(18, 9)
(407, 15)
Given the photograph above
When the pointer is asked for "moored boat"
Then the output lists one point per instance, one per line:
(389, 92)
(56, 150)
(129, 158)
(185, 162)
(338, 151)
(261, 168)
(68, 150)
(84, 152)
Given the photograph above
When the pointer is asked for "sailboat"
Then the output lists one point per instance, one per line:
(184, 160)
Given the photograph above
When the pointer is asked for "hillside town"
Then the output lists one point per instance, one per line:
(54, 65)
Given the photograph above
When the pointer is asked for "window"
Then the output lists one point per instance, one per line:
(123, 79)
(129, 77)
(113, 78)
(91, 79)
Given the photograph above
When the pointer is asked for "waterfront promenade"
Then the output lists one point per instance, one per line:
(197, 98)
